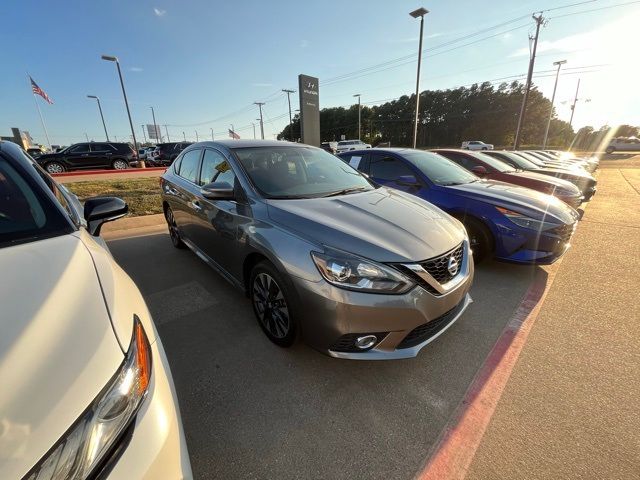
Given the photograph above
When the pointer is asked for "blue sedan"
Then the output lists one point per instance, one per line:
(512, 223)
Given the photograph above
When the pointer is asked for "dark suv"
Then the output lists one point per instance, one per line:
(166, 153)
(92, 155)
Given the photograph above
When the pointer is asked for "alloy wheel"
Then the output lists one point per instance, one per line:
(270, 305)
(55, 168)
(173, 228)
(120, 164)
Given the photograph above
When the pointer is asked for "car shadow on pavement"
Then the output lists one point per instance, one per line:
(253, 410)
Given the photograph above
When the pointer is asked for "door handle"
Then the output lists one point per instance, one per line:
(196, 205)
(172, 191)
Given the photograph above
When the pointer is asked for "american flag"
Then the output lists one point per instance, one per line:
(234, 135)
(38, 91)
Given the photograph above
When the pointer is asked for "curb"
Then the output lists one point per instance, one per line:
(101, 172)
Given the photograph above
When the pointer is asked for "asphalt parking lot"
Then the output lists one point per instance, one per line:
(253, 410)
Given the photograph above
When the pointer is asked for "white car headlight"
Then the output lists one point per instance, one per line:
(527, 222)
(349, 271)
(85, 444)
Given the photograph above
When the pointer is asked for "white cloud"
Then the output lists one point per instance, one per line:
(136, 69)
(304, 43)
(159, 12)
(262, 85)
(434, 35)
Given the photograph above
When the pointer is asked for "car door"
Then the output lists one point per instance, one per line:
(386, 169)
(100, 156)
(184, 191)
(78, 156)
(217, 221)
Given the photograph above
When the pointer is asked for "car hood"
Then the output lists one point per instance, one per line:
(582, 175)
(57, 347)
(529, 178)
(523, 200)
(382, 225)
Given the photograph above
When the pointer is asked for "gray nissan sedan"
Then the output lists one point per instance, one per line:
(357, 270)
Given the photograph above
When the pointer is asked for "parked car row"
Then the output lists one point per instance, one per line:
(89, 155)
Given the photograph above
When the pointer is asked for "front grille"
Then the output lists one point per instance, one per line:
(565, 231)
(347, 343)
(425, 331)
(438, 266)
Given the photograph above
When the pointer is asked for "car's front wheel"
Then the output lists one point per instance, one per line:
(174, 234)
(480, 239)
(609, 150)
(120, 165)
(272, 304)
(54, 167)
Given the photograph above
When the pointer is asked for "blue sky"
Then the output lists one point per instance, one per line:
(203, 62)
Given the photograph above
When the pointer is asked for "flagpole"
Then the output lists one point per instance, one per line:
(35, 100)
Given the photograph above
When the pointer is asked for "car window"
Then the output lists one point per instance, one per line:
(26, 214)
(386, 167)
(215, 168)
(189, 165)
(82, 148)
(100, 147)
(462, 160)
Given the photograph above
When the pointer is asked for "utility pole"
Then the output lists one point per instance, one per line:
(254, 129)
(260, 104)
(155, 127)
(359, 129)
(553, 97)
(166, 130)
(420, 12)
(575, 100)
(523, 109)
(288, 92)
(212, 138)
(184, 137)
(86, 136)
(196, 135)
(144, 135)
(233, 132)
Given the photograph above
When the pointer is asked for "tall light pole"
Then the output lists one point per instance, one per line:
(260, 104)
(254, 130)
(144, 135)
(155, 127)
(212, 137)
(196, 135)
(184, 137)
(532, 61)
(358, 95)
(110, 58)
(553, 97)
(420, 12)
(573, 106)
(166, 130)
(101, 116)
(288, 92)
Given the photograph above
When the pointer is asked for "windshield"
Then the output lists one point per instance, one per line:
(520, 162)
(494, 162)
(532, 158)
(26, 213)
(438, 169)
(299, 172)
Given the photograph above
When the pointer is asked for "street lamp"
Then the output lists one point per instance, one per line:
(420, 12)
(101, 116)
(358, 95)
(553, 97)
(110, 58)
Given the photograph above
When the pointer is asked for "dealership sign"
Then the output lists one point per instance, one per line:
(309, 110)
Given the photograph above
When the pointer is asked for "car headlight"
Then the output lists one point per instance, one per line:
(526, 222)
(84, 445)
(349, 271)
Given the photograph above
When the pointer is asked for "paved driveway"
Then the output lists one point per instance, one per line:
(253, 410)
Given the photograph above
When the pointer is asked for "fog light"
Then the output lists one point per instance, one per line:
(366, 341)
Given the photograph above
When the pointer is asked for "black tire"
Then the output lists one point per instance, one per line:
(480, 238)
(610, 150)
(54, 167)
(119, 164)
(484, 148)
(273, 304)
(174, 233)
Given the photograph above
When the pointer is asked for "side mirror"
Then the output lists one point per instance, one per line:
(408, 181)
(479, 170)
(217, 191)
(100, 210)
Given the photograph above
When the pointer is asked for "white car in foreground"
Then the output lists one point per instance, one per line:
(85, 386)
(476, 145)
(346, 145)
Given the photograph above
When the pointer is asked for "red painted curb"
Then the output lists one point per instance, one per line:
(100, 172)
(458, 443)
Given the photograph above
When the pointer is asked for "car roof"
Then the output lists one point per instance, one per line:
(232, 144)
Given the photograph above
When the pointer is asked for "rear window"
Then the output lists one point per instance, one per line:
(26, 213)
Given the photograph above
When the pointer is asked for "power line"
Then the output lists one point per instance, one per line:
(595, 9)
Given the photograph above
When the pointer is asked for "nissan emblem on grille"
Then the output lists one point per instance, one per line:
(453, 266)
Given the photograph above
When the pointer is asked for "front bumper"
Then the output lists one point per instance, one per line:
(157, 447)
(329, 315)
(520, 245)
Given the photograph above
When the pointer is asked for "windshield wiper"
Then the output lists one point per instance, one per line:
(345, 191)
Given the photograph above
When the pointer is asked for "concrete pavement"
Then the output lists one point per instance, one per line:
(570, 408)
